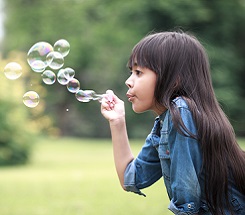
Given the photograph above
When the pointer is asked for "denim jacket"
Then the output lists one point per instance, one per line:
(178, 159)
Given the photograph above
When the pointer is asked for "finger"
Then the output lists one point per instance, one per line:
(111, 96)
(106, 103)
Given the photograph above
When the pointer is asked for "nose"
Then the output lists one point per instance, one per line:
(129, 82)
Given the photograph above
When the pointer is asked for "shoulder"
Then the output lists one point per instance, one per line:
(180, 104)
(183, 115)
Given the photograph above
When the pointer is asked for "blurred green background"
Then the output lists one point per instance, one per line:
(101, 34)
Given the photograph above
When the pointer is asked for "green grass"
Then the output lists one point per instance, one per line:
(75, 177)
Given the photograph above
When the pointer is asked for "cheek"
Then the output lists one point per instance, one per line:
(150, 92)
(144, 103)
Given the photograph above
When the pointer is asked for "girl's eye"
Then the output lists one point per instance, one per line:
(137, 72)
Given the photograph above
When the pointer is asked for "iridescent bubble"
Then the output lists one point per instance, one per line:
(62, 46)
(55, 60)
(73, 85)
(38, 66)
(38, 52)
(31, 99)
(87, 95)
(69, 73)
(48, 77)
(61, 77)
(84, 95)
(12, 71)
(98, 97)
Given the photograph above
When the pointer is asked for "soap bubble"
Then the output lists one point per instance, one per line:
(31, 99)
(87, 95)
(69, 73)
(73, 85)
(38, 66)
(13, 70)
(55, 60)
(48, 77)
(84, 95)
(61, 77)
(37, 55)
(98, 97)
(62, 46)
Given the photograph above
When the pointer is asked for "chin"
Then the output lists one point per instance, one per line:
(138, 110)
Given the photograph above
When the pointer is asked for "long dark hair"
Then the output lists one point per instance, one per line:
(182, 68)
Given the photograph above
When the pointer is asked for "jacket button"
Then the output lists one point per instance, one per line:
(189, 206)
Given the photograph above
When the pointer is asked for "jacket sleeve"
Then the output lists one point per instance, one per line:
(145, 169)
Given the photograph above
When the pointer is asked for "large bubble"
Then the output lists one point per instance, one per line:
(31, 99)
(37, 56)
(12, 70)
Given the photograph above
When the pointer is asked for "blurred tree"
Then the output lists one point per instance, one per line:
(102, 34)
(17, 129)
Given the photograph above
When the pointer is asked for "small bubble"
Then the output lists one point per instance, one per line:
(61, 77)
(48, 77)
(62, 46)
(38, 66)
(73, 85)
(69, 73)
(67, 110)
(31, 99)
(13, 70)
(84, 95)
(55, 60)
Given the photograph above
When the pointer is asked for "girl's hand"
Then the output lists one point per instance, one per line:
(112, 108)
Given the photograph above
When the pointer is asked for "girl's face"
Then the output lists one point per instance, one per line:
(141, 84)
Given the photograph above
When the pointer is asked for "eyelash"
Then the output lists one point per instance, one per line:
(138, 72)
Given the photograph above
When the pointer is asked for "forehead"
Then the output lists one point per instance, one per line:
(135, 66)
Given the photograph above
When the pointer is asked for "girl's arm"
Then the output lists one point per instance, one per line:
(112, 108)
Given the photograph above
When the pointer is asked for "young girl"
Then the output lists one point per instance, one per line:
(192, 144)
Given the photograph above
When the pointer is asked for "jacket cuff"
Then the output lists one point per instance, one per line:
(134, 189)
(184, 209)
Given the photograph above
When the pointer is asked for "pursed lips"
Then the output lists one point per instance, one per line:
(130, 96)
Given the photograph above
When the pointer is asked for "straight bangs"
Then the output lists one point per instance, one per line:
(138, 58)
(143, 54)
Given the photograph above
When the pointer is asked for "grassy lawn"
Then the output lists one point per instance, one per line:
(75, 177)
